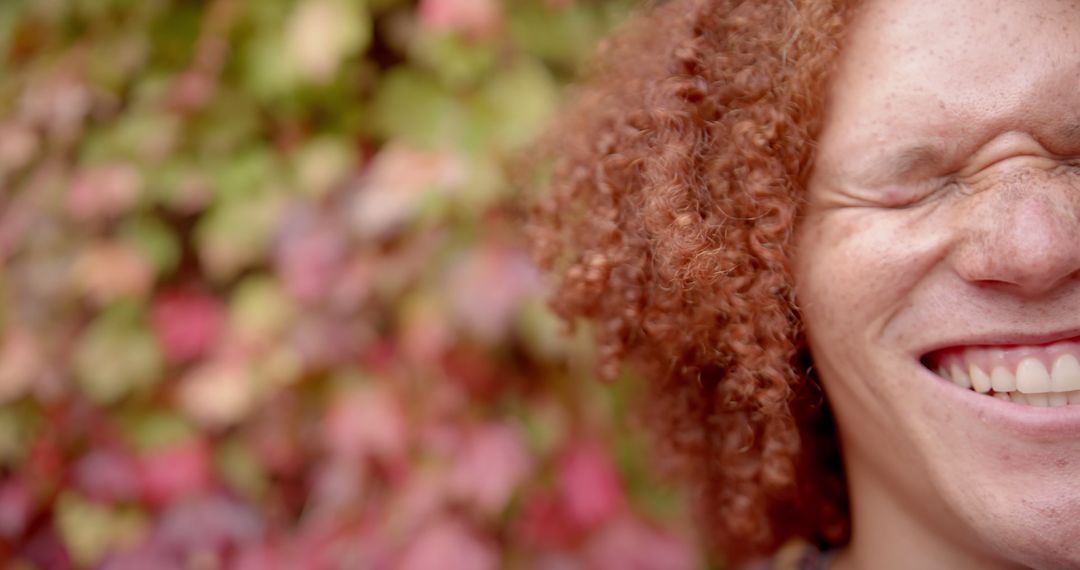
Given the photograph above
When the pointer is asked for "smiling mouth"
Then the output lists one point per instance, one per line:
(1045, 375)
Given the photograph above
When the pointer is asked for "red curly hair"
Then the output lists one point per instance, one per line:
(679, 173)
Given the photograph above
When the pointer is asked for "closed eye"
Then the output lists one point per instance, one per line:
(919, 193)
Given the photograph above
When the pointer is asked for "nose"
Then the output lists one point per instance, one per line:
(1023, 238)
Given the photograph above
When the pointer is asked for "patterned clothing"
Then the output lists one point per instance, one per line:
(795, 555)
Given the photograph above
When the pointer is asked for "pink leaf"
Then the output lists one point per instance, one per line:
(18, 146)
(257, 556)
(391, 191)
(420, 499)
(187, 323)
(103, 192)
(589, 486)
(207, 524)
(310, 258)
(59, 102)
(338, 487)
(477, 18)
(21, 362)
(628, 544)
(488, 286)
(16, 508)
(489, 468)
(218, 393)
(321, 34)
(107, 271)
(146, 555)
(174, 472)
(107, 475)
(192, 91)
(369, 422)
(448, 545)
(425, 334)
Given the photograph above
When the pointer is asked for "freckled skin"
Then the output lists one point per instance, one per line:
(982, 234)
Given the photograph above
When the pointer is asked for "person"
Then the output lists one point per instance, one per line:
(841, 241)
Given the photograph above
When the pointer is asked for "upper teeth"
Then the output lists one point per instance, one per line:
(1029, 382)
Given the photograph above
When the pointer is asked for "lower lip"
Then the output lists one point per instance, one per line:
(1024, 420)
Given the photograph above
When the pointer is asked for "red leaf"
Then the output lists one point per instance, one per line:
(16, 507)
(174, 472)
(187, 323)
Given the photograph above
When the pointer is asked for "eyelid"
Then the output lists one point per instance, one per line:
(931, 188)
(939, 186)
(914, 193)
(1071, 166)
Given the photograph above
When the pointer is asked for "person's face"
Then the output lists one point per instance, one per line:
(943, 232)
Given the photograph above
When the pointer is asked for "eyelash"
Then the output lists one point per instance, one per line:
(930, 190)
(1073, 166)
(941, 186)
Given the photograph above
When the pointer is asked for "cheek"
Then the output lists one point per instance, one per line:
(840, 266)
(857, 268)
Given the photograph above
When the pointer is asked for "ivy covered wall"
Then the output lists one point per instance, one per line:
(264, 301)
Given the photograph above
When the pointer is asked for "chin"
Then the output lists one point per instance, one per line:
(1008, 471)
(1038, 530)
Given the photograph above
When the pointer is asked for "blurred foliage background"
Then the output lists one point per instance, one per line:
(264, 302)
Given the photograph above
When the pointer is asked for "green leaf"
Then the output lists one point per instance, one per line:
(309, 44)
(241, 468)
(18, 426)
(142, 136)
(91, 530)
(178, 185)
(515, 105)
(233, 236)
(322, 163)
(321, 34)
(174, 36)
(260, 309)
(454, 59)
(264, 74)
(116, 58)
(117, 355)
(412, 106)
(148, 429)
(246, 175)
(99, 10)
(559, 35)
(155, 240)
(236, 232)
(230, 127)
(10, 14)
(485, 186)
(380, 6)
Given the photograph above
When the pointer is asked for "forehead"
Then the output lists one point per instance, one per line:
(963, 46)
(920, 77)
